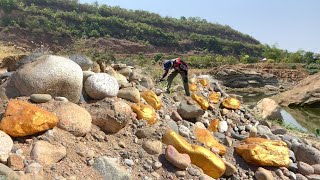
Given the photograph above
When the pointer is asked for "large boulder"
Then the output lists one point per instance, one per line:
(23, 119)
(101, 85)
(306, 93)
(110, 114)
(84, 62)
(73, 119)
(268, 109)
(244, 77)
(54, 75)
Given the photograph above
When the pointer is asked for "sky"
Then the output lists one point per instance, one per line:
(288, 24)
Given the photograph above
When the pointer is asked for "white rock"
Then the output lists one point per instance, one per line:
(184, 131)
(6, 143)
(223, 126)
(101, 85)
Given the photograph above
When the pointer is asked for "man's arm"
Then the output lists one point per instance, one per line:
(165, 73)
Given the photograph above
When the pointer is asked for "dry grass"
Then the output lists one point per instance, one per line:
(9, 50)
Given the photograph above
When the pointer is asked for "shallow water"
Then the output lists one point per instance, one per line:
(305, 119)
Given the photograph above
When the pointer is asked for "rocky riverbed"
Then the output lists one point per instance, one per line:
(68, 118)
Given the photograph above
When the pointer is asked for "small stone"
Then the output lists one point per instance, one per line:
(304, 168)
(193, 171)
(6, 143)
(280, 131)
(181, 161)
(228, 141)
(230, 169)
(173, 126)
(15, 162)
(152, 147)
(129, 162)
(34, 168)
(205, 177)
(122, 144)
(293, 167)
(155, 175)
(157, 165)
(263, 174)
(223, 126)
(316, 168)
(200, 125)
(301, 177)
(40, 98)
(144, 132)
(175, 116)
(181, 173)
(313, 177)
(184, 131)
(62, 99)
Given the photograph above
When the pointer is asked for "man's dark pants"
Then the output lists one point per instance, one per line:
(184, 76)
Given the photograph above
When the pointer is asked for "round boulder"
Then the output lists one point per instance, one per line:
(73, 119)
(54, 75)
(84, 62)
(101, 85)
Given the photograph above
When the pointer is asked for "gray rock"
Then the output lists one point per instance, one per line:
(279, 131)
(173, 126)
(193, 171)
(184, 131)
(316, 168)
(84, 62)
(301, 177)
(110, 169)
(292, 156)
(304, 168)
(190, 112)
(8, 174)
(230, 169)
(293, 167)
(263, 130)
(40, 98)
(101, 85)
(156, 165)
(147, 82)
(6, 143)
(144, 132)
(238, 136)
(263, 174)
(34, 168)
(180, 173)
(54, 75)
(86, 75)
(307, 154)
(129, 162)
(313, 177)
(131, 93)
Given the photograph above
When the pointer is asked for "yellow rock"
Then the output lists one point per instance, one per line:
(231, 103)
(204, 82)
(152, 99)
(264, 152)
(201, 101)
(214, 97)
(145, 111)
(23, 119)
(204, 136)
(193, 87)
(214, 124)
(210, 163)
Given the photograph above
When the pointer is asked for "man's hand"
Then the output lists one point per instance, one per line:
(159, 80)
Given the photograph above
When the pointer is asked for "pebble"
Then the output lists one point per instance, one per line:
(129, 162)
(301, 177)
(230, 169)
(223, 126)
(184, 131)
(181, 173)
(316, 168)
(152, 146)
(263, 174)
(193, 171)
(304, 168)
(157, 165)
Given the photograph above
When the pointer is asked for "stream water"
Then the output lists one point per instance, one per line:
(302, 118)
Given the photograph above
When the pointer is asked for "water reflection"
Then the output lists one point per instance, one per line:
(305, 119)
